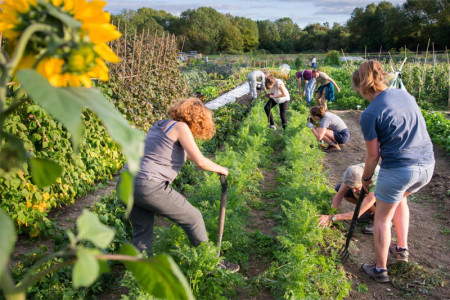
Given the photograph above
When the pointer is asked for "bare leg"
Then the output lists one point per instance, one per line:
(329, 134)
(401, 222)
(321, 101)
(382, 231)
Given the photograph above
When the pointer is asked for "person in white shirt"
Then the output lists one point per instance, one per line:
(278, 95)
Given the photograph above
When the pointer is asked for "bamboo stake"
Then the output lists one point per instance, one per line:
(417, 52)
(124, 68)
(391, 61)
(448, 67)
(132, 54)
(182, 45)
(434, 60)
(164, 50)
(365, 52)
(424, 68)
(153, 49)
(140, 52)
(379, 54)
(161, 46)
(346, 62)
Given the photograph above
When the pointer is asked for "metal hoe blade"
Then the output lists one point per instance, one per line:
(343, 253)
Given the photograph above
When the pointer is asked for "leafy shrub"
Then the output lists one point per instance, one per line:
(29, 205)
(210, 92)
(332, 58)
(195, 78)
(439, 128)
(279, 75)
(298, 63)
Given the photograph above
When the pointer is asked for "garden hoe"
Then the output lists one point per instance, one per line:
(344, 251)
(223, 204)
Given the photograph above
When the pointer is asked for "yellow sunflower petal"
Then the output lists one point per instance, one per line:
(85, 80)
(89, 10)
(101, 33)
(106, 53)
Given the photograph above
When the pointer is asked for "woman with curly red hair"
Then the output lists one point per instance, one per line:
(167, 146)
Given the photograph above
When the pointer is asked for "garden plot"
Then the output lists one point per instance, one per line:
(229, 97)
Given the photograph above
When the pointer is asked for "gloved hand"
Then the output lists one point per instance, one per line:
(310, 125)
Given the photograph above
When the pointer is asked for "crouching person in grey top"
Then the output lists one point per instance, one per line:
(332, 129)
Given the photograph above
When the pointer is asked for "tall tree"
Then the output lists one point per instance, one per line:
(249, 31)
(269, 37)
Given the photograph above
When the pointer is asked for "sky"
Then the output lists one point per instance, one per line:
(302, 12)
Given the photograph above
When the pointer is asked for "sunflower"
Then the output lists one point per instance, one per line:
(74, 54)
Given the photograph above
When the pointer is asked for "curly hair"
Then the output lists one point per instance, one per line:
(196, 115)
(317, 111)
(370, 77)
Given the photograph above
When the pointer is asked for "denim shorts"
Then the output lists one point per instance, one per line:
(394, 182)
(342, 137)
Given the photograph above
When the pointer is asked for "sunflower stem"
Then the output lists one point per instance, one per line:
(22, 44)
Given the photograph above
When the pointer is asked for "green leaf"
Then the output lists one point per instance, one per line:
(125, 190)
(44, 171)
(86, 269)
(66, 104)
(72, 238)
(16, 296)
(12, 153)
(63, 17)
(159, 276)
(131, 140)
(8, 239)
(90, 228)
(59, 102)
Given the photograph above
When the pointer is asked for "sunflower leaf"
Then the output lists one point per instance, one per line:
(59, 102)
(159, 275)
(8, 238)
(44, 171)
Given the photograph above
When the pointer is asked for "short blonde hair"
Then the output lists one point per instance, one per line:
(196, 115)
(352, 176)
(370, 77)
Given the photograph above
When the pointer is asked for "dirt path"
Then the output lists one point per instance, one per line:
(261, 220)
(429, 241)
(64, 218)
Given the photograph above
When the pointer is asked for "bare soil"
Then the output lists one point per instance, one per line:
(429, 241)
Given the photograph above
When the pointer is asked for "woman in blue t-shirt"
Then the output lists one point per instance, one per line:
(395, 130)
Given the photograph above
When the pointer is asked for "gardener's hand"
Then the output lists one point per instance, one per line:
(338, 89)
(224, 171)
(304, 94)
(267, 95)
(325, 220)
(310, 125)
(366, 184)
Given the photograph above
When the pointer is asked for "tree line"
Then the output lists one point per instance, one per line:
(377, 25)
